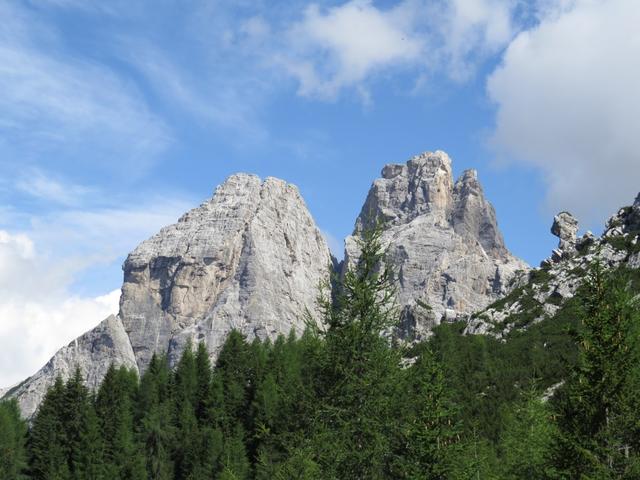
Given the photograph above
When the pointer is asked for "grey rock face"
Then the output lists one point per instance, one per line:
(442, 238)
(92, 352)
(565, 227)
(560, 276)
(251, 258)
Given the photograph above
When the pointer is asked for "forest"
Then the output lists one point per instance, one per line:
(559, 400)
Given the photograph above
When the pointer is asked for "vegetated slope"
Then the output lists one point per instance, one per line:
(526, 339)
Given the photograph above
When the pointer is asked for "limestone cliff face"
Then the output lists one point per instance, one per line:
(250, 258)
(443, 241)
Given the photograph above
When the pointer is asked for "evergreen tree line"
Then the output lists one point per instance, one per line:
(346, 402)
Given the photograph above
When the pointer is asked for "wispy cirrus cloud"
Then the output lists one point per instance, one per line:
(211, 97)
(50, 99)
(36, 183)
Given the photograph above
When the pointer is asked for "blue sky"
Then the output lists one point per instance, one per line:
(116, 117)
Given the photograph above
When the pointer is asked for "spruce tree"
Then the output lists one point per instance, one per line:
(154, 413)
(115, 410)
(186, 435)
(13, 435)
(89, 458)
(233, 370)
(47, 438)
(354, 425)
(598, 434)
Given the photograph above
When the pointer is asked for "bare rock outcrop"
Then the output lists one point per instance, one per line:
(565, 227)
(250, 258)
(443, 241)
(546, 289)
(92, 352)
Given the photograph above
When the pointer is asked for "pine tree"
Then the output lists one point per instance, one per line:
(526, 439)
(354, 425)
(429, 431)
(47, 438)
(13, 435)
(595, 441)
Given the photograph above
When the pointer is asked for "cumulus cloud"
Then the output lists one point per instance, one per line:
(40, 307)
(344, 47)
(37, 314)
(473, 28)
(567, 103)
(352, 41)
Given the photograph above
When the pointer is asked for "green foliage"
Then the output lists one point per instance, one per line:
(525, 445)
(13, 435)
(345, 401)
(597, 408)
(47, 439)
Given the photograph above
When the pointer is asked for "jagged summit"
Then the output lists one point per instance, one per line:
(424, 187)
(544, 292)
(443, 240)
(409, 190)
(250, 258)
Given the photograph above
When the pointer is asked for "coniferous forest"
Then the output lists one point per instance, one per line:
(560, 400)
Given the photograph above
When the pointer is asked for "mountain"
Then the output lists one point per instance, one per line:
(546, 293)
(442, 238)
(250, 258)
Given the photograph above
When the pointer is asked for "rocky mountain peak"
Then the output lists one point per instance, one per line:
(443, 240)
(250, 258)
(405, 191)
(565, 227)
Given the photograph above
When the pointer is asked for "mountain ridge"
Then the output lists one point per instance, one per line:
(251, 258)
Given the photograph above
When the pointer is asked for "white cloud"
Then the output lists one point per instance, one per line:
(40, 310)
(344, 47)
(568, 103)
(37, 315)
(474, 28)
(50, 99)
(350, 42)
